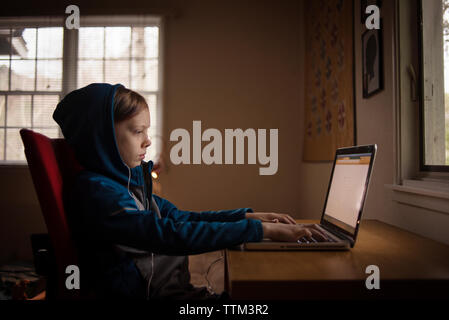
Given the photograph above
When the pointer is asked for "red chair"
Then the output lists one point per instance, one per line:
(53, 167)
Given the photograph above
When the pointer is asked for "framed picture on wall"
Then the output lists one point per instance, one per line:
(372, 62)
(329, 79)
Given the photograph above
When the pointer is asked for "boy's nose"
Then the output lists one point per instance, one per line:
(147, 143)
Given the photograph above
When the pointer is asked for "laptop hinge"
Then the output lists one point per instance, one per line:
(338, 233)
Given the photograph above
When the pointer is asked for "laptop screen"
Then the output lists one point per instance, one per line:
(347, 190)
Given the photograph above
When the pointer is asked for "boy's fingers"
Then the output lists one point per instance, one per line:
(285, 219)
(318, 235)
(315, 227)
(306, 233)
(292, 221)
(282, 219)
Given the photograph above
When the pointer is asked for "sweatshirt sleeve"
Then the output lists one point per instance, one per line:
(108, 214)
(170, 211)
(144, 230)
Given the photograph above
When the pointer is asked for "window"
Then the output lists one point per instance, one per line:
(421, 123)
(434, 110)
(30, 84)
(40, 62)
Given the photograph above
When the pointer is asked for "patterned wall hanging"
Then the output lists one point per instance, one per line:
(329, 79)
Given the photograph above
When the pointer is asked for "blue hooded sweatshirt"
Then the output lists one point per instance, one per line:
(116, 220)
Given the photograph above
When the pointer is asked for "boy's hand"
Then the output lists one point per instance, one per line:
(282, 232)
(271, 217)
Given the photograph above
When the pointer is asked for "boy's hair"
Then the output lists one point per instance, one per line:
(127, 104)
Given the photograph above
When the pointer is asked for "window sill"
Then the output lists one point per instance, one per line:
(431, 195)
(17, 163)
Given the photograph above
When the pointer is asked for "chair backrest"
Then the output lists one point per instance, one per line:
(53, 167)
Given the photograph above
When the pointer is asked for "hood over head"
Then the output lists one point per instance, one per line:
(86, 118)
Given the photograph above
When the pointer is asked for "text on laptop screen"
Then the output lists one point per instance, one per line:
(346, 190)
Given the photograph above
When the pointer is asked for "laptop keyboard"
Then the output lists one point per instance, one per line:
(312, 240)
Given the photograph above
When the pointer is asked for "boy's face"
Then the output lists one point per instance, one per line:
(132, 138)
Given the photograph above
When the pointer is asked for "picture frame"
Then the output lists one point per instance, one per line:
(372, 62)
(329, 79)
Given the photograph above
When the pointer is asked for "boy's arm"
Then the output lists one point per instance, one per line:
(106, 213)
(144, 230)
(169, 210)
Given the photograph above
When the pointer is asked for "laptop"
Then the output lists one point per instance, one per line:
(343, 207)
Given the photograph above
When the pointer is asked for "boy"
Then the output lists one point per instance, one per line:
(134, 244)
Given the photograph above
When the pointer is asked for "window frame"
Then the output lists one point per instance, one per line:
(423, 168)
(70, 57)
(411, 185)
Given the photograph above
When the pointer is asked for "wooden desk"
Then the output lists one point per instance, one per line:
(410, 266)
